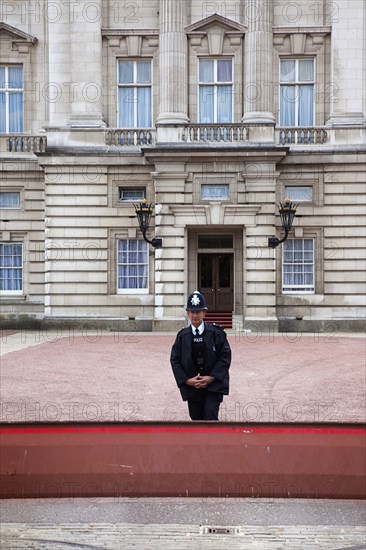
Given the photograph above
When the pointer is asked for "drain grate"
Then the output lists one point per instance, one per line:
(210, 530)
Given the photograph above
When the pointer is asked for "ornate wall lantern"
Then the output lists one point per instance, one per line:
(287, 211)
(144, 212)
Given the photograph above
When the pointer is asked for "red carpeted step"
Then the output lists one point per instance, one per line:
(225, 319)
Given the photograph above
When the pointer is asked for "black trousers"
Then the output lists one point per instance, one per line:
(207, 407)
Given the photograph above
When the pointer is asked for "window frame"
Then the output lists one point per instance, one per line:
(296, 199)
(296, 84)
(216, 85)
(132, 290)
(121, 189)
(6, 90)
(215, 185)
(134, 87)
(299, 289)
(20, 292)
(11, 192)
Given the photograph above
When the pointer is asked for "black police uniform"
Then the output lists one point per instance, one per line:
(208, 354)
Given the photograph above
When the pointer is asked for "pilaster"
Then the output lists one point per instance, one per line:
(173, 70)
(59, 65)
(258, 97)
(347, 71)
(75, 75)
(86, 65)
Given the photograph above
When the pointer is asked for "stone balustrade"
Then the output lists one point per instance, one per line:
(130, 136)
(315, 135)
(216, 133)
(26, 143)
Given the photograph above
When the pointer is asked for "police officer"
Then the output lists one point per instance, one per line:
(200, 359)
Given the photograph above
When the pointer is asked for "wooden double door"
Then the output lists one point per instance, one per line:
(216, 281)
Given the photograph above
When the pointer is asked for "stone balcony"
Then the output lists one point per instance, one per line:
(200, 134)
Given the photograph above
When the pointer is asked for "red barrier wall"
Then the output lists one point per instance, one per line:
(183, 459)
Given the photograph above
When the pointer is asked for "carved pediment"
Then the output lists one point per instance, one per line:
(216, 20)
(132, 42)
(299, 40)
(20, 40)
(216, 29)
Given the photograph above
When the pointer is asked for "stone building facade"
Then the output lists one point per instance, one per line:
(214, 112)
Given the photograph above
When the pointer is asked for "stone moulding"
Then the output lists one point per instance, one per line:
(215, 214)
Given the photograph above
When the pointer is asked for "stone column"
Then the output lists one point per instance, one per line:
(173, 70)
(258, 80)
(86, 64)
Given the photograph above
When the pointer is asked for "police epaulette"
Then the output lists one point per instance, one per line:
(217, 326)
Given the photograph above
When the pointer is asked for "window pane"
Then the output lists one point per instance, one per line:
(207, 104)
(298, 265)
(131, 195)
(306, 105)
(9, 200)
(132, 266)
(206, 70)
(144, 72)
(126, 72)
(288, 105)
(126, 107)
(144, 107)
(2, 77)
(299, 193)
(288, 71)
(224, 104)
(306, 70)
(215, 241)
(11, 270)
(15, 112)
(215, 192)
(2, 112)
(224, 70)
(15, 77)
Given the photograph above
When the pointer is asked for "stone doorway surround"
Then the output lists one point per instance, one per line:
(238, 234)
(217, 218)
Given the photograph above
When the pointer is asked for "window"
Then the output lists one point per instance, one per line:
(297, 92)
(131, 195)
(298, 266)
(9, 199)
(132, 272)
(215, 192)
(215, 241)
(134, 94)
(215, 91)
(11, 268)
(11, 99)
(299, 193)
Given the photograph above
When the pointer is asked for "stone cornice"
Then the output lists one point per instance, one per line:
(215, 213)
(184, 153)
(302, 30)
(21, 40)
(148, 32)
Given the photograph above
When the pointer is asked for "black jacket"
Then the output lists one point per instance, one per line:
(217, 360)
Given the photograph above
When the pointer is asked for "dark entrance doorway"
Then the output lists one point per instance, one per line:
(215, 280)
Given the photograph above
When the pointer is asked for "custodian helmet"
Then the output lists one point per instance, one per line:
(196, 302)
